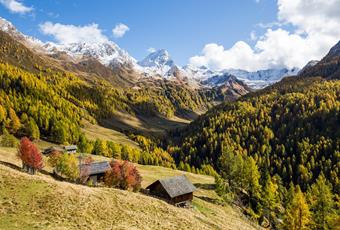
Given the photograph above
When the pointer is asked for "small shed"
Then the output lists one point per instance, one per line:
(96, 170)
(70, 149)
(176, 190)
(52, 149)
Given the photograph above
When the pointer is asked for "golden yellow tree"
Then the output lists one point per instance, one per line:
(297, 214)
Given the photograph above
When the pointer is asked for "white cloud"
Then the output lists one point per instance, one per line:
(16, 6)
(119, 30)
(316, 29)
(70, 33)
(151, 50)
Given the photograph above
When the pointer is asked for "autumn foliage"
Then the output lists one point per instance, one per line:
(29, 154)
(123, 175)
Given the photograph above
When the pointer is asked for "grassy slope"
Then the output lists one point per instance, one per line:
(154, 126)
(94, 132)
(41, 202)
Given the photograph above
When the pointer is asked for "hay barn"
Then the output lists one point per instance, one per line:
(176, 190)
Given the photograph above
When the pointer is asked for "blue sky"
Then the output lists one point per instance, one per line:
(182, 27)
(216, 32)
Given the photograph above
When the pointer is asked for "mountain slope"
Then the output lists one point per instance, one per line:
(255, 80)
(64, 205)
(328, 67)
(157, 63)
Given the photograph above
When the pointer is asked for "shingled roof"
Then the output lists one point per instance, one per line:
(71, 148)
(98, 167)
(176, 186)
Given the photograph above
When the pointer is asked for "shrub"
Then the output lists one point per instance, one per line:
(29, 154)
(123, 175)
(8, 140)
(67, 165)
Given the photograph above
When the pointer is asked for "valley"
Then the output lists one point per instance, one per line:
(261, 145)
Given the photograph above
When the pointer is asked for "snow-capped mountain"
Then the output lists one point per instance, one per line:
(107, 53)
(256, 80)
(199, 73)
(262, 78)
(158, 63)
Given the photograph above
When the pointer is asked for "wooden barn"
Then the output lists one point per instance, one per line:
(71, 149)
(177, 190)
(52, 149)
(96, 170)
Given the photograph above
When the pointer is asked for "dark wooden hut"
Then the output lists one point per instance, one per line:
(95, 170)
(71, 149)
(177, 190)
(52, 149)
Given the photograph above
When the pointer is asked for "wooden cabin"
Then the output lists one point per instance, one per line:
(177, 190)
(96, 170)
(52, 149)
(70, 149)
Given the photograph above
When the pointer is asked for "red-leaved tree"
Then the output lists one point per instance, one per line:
(123, 175)
(29, 154)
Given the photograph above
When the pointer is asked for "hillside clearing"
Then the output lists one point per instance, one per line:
(94, 132)
(37, 201)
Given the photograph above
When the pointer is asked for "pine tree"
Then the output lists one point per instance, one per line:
(297, 216)
(32, 129)
(321, 203)
(270, 197)
(2, 114)
(15, 121)
(251, 178)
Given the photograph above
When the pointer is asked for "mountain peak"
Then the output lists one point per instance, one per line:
(106, 53)
(334, 51)
(158, 63)
(159, 58)
(6, 25)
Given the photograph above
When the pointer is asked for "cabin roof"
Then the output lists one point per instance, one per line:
(70, 147)
(52, 149)
(176, 186)
(98, 167)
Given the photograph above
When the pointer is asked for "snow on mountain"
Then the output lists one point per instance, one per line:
(158, 63)
(107, 53)
(200, 73)
(9, 28)
(256, 80)
(262, 78)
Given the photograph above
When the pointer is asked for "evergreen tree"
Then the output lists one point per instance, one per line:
(297, 216)
(270, 199)
(14, 121)
(251, 178)
(321, 203)
(32, 129)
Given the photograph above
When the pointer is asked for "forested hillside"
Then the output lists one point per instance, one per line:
(286, 134)
(92, 91)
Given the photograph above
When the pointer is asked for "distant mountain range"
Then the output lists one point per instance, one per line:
(158, 64)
